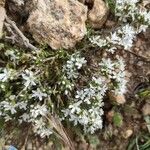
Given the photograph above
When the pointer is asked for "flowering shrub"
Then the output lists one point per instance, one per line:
(86, 107)
(34, 85)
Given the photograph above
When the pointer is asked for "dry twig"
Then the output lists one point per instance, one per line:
(11, 25)
(60, 131)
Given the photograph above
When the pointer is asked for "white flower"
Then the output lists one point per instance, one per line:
(39, 123)
(41, 129)
(29, 78)
(5, 75)
(72, 74)
(114, 38)
(128, 34)
(12, 55)
(99, 41)
(22, 105)
(9, 107)
(79, 62)
(25, 117)
(74, 118)
(38, 94)
(98, 81)
(38, 110)
(45, 132)
(116, 71)
(84, 118)
(142, 28)
(145, 15)
(75, 107)
(7, 118)
(111, 50)
(80, 94)
(73, 65)
(106, 64)
(126, 9)
(85, 95)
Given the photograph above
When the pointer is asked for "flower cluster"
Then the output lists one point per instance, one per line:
(41, 128)
(29, 78)
(6, 74)
(71, 71)
(125, 34)
(36, 116)
(86, 108)
(73, 65)
(27, 102)
(126, 9)
(115, 71)
(133, 11)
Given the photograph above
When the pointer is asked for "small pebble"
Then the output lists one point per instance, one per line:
(128, 133)
(146, 109)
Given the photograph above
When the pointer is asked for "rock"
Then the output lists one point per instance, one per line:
(2, 3)
(98, 14)
(2, 18)
(110, 115)
(60, 24)
(82, 1)
(18, 2)
(119, 99)
(86, 1)
(146, 109)
(128, 133)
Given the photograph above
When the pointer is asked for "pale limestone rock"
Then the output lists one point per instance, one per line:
(2, 18)
(146, 109)
(58, 23)
(118, 98)
(128, 133)
(98, 14)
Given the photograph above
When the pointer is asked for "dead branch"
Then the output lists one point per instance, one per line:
(12, 25)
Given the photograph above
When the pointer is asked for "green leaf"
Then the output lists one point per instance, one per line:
(111, 4)
(118, 119)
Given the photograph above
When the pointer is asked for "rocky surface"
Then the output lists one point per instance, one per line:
(2, 3)
(18, 2)
(2, 18)
(98, 14)
(60, 24)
